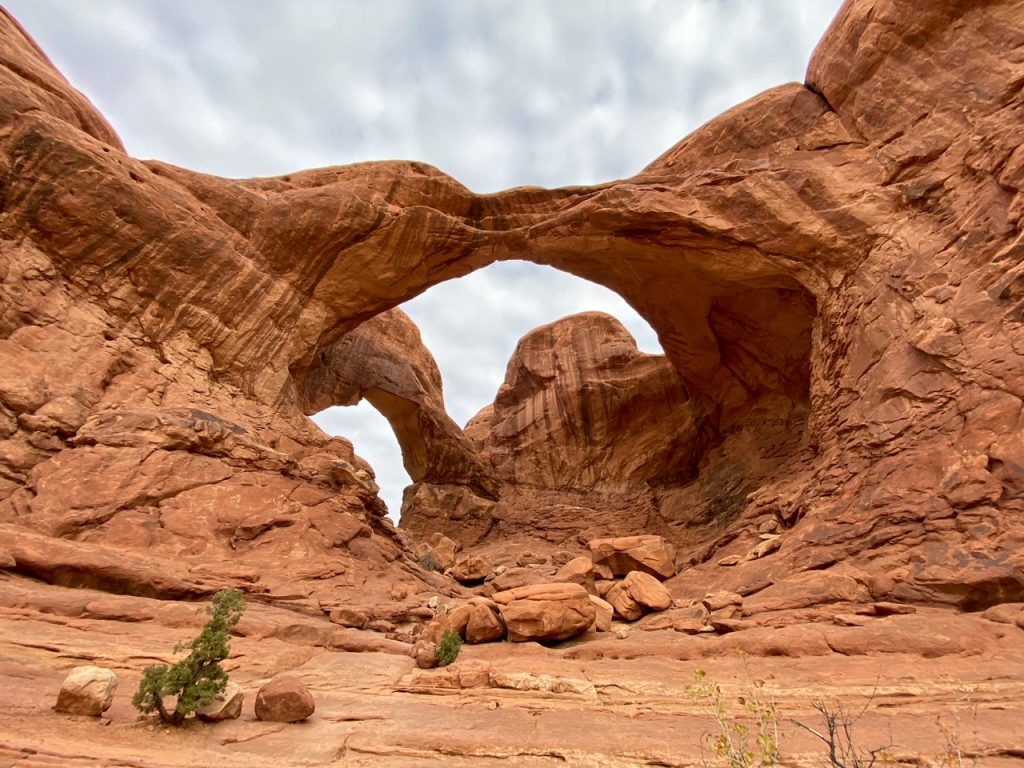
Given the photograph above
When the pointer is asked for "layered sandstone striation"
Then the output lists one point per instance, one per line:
(832, 440)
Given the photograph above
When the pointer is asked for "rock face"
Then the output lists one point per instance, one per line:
(385, 361)
(846, 371)
(582, 409)
(835, 270)
(284, 700)
(87, 691)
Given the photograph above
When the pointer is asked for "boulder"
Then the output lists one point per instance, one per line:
(456, 620)
(428, 558)
(227, 706)
(424, 653)
(284, 700)
(444, 548)
(437, 553)
(603, 615)
(647, 591)
(87, 691)
(715, 601)
(484, 624)
(579, 570)
(604, 586)
(650, 554)
(637, 594)
(625, 607)
(471, 570)
(546, 612)
(561, 557)
(519, 577)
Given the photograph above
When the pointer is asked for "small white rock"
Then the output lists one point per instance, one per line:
(227, 706)
(87, 691)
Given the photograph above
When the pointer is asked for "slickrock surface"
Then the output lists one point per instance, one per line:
(602, 701)
(832, 441)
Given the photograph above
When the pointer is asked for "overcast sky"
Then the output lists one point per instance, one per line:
(498, 93)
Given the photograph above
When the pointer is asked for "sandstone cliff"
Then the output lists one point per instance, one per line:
(832, 269)
(834, 433)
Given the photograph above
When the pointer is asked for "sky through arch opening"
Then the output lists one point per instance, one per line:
(471, 326)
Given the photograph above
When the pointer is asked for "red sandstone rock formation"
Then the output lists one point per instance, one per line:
(582, 409)
(385, 361)
(835, 272)
(849, 338)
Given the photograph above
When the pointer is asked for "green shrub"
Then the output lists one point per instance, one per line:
(430, 562)
(197, 679)
(448, 649)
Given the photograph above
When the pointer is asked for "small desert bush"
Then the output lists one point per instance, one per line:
(429, 562)
(199, 678)
(749, 743)
(746, 732)
(448, 649)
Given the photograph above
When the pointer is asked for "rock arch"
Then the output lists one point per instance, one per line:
(878, 218)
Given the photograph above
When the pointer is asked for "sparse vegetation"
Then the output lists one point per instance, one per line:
(747, 733)
(428, 561)
(739, 744)
(448, 649)
(197, 679)
(836, 733)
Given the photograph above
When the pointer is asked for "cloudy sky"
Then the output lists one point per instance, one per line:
(498, 93)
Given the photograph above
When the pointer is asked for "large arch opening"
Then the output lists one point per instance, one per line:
(728, 284)
(587, 434)
(471, 327)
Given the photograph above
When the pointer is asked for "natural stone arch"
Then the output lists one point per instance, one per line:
(899, 217)
(384, 361)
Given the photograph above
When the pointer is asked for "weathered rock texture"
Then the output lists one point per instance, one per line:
(284, 700)
(226, 706)
(546, 612)
(846, 364)
(835, 270)
(582, 409)
(385, 361)
(87, 691)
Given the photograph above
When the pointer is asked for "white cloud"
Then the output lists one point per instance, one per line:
(498, 93)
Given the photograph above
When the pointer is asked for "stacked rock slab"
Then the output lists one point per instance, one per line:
(545, 612)
(651, 555)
